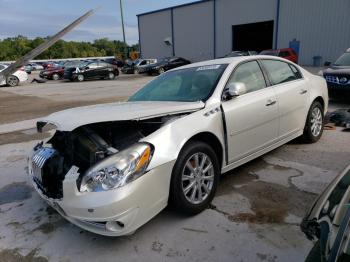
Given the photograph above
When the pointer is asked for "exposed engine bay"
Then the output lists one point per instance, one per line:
(87, 145)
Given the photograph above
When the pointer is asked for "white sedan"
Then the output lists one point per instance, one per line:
(14, 79)
(110, 168)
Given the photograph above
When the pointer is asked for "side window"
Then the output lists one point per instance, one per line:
(92, 65)
(280, 72)
(296, 72)
(250, 74)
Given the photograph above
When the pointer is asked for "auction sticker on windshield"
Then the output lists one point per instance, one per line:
(209, 67)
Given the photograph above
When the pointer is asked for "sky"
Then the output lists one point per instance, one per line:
(41, 18)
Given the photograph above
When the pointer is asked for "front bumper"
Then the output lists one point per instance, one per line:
(115, 212)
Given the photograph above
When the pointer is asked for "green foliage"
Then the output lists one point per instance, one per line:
(15, 47)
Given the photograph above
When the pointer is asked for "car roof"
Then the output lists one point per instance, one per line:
(231, 60)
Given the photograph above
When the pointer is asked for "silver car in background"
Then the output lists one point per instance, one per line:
(110, 168)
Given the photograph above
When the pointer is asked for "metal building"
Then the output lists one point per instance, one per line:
(210, 29)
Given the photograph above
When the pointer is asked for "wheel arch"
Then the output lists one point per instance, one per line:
(210, 139)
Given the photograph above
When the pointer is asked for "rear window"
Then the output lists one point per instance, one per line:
(279, 72)
(269, 52)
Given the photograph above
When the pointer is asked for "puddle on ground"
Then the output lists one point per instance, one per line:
(15, 192)
(12, 255)
(271, 203)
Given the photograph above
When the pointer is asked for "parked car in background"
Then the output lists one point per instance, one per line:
(56, 73)
(28, 69)
(15, 79)
(36, 66)
(115, 61)
(132, 67)
(111, 168)
(91, 70)
(338, 76)
(241, 53)
(286, 53)
(163, 65)
(328, 222)
(48, 65)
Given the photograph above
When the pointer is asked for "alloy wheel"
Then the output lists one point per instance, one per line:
(197, 178)
(316, 121)
(12, 81)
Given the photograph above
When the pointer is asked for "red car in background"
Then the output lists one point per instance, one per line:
(286, 53)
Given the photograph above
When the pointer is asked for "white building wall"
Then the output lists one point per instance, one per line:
(194, 31)
(235, 12)
(321, 26)
(154, 28)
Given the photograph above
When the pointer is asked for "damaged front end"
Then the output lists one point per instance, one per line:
(106, 155)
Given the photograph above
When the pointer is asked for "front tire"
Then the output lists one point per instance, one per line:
(80, 78)
(161, 70)
(12, 81)
(314, 123)
(55, 77)
(194, 178)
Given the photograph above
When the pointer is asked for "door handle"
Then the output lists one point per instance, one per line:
(303, 91)
(270, 102)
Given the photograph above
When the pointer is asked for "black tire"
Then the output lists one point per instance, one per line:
(55, 76)
(315, 253)
(177, 198)
(80, 78)
(111, 76)
(12, 81)
(308, 135)
(161, 70)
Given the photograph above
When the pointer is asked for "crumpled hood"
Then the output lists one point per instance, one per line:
(70, 119)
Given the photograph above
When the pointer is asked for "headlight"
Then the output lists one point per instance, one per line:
(320, 73)
(117, 170)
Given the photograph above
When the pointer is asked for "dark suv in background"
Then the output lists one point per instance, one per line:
(338, 76)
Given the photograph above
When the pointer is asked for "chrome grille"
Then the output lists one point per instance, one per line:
(332, 79)
(38, 160)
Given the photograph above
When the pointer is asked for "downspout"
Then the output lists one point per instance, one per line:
(138, 25)
(172, 31)
(277, 22)
(214, 15)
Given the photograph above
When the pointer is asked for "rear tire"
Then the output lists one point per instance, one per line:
(194, 178)
(314, 123)
(111, 76)
(12, 81)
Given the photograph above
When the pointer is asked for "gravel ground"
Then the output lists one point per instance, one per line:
(255, 215)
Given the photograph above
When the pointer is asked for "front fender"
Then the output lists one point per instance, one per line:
(170, 139)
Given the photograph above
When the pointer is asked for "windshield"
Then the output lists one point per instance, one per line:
(186, 85)
(343, 60)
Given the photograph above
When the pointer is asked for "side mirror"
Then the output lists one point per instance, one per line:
(86, 68)
(235, 89)
(327, 63)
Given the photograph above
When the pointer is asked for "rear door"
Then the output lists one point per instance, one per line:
(292, 95)
(252, 118)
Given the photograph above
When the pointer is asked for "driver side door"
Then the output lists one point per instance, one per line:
(252, 118)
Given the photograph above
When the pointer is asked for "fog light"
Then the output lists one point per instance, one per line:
(114, 225)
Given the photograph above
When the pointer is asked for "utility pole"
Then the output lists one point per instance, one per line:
(122, 18)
